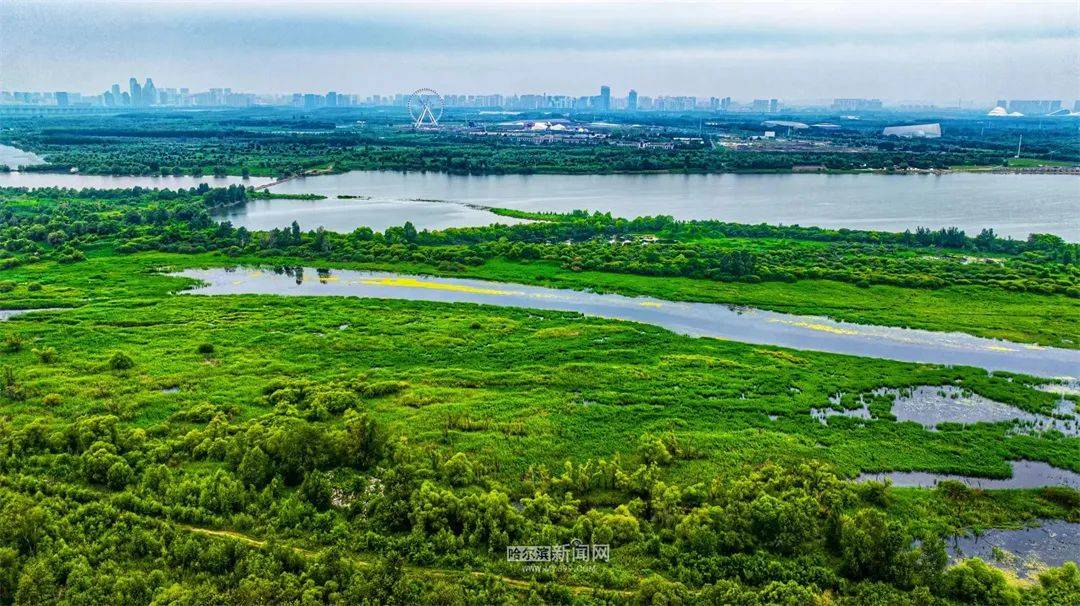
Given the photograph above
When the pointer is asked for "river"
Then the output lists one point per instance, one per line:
(77, 181)
(696, 319)
(1011, 204)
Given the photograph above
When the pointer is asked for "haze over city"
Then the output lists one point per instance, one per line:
(915, 52)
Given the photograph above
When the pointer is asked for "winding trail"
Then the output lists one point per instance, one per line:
(442, 573)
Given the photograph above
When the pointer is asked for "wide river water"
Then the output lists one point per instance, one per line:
(696, 319)
(1013, 205)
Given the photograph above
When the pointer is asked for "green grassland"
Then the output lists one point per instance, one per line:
(553, 385)
(169, 448)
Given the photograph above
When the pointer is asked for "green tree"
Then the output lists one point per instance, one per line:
(37, 585)
(255, 468)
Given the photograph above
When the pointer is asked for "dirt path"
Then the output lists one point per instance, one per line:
(441, 573)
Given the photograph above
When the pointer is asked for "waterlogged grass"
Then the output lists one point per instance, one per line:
(980, 311)
(1052, 320)
(191, 378)
(510, 387)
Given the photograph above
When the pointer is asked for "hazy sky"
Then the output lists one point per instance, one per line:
(941, 50)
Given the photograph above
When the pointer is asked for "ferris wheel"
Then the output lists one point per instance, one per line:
(425, 107)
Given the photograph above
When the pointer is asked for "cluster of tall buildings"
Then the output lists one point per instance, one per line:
(856, 105)
(136, 95)
(603, 102)
(146, 94)
(1034, 107)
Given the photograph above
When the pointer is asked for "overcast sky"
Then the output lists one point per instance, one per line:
(940, 51)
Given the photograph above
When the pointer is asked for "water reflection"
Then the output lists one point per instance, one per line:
(346, 215)
(76, 181)
(13, 157)
(1012, 205)
(7, 314)
(695, 319)
(1024, 551)
(1025, 474)
(931, 406)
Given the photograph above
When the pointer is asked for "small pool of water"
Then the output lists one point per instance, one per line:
(835, 409)
(1025, 551)
(13, 157)
(6, 314)
(1025, 474)
(930, 406)
(1064, 388)
(695, 319)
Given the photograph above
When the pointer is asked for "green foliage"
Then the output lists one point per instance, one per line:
(46, 354)
(121, 361)
(975, 582)
(395, 462)
(13, 342)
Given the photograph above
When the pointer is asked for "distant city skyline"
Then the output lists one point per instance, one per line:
(147, 95)
(797, 51)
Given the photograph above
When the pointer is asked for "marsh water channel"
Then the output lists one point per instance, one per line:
(1025, 474)
(696, 319)
(1051, 544)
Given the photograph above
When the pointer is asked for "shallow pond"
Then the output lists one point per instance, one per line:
(1065, 388)
(13, 157)
(835, 409)
(1025, 474)
(6, 314)
(695, 319)
(1024, 551)
(931, 406)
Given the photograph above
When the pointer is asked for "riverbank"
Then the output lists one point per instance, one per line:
(797, 170)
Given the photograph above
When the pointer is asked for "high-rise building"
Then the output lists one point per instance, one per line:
(605, 98)
(856, 104)
(61, 99)
(331, 99)
(1034, 106)
(631, 100)
(136, 91)
(760, 106)
(725, 104)
(774, 106)
(149, 93)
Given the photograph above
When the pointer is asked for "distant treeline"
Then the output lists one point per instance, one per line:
(44, 223)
